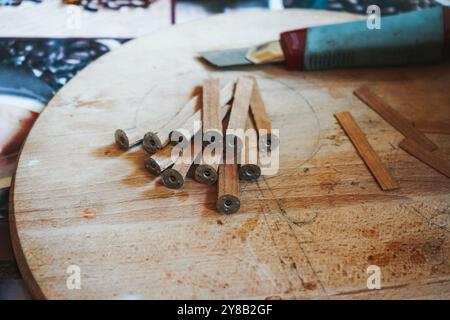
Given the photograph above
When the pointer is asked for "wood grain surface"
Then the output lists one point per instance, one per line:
(427, 157)
(396, 119)
(310, 231)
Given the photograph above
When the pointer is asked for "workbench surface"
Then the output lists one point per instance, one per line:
(311, 231)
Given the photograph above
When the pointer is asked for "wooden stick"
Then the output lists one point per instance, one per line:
(249, 168)
(393, 117)
(212, 122)
(426, 156)
(436, 128)
(262, 120)
(154, 141)
(365, 150)
(188, 129)
(240, 107)
(175, 177)
(228, 193)
(128, 138)
(161, 160)
(206, 171)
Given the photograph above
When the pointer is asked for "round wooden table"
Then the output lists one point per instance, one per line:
(310, 231)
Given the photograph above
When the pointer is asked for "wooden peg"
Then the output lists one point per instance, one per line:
(396, 120)
(240, 107)
(212, 122)
(365, 150)
(154, 141)
(262, 120)
(228, 193)
(175, 177)
(161, 160)
(189, 129)
(128, 138)
(249, 168)
(207, 170)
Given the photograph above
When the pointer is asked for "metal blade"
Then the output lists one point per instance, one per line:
(227, 58)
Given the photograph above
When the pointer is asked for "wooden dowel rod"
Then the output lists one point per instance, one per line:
(128, 138)
(212, 121)
(249, 168)
(426, 156)
(262, 119)
(154, 141)
(393, 117)
(207, 170)
(188, 129)
(175, 177)
(365, 150)
(228, 193)
(240, 107)
(161, 160)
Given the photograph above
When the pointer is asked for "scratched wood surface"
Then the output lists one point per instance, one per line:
(310, 231)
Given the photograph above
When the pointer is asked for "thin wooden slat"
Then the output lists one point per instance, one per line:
(426, 156)
(212, 122)
(433, 128)
(249, 167)
(240, 107)
(393, 117)
(262, 119)
(365, 150)
(228, 192)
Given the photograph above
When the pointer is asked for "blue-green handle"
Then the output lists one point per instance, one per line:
(405, 39)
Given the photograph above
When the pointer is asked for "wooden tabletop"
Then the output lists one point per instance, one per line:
(311, 231)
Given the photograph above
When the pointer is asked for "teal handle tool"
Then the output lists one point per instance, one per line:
(419, 37)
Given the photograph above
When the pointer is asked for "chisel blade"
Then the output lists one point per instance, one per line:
(227, 58)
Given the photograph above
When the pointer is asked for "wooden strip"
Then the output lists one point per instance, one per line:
(393, 117)
(434, 128)
(161, 160)
(128, 138)
(365, 150)
(249, 168)
(154, 141)
(426, 156)
(207, 170)
(228, 194)
(262, 119)
(241, 105)
(212, 122)
(175, 177)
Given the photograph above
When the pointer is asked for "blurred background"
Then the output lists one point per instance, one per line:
(44, 43)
